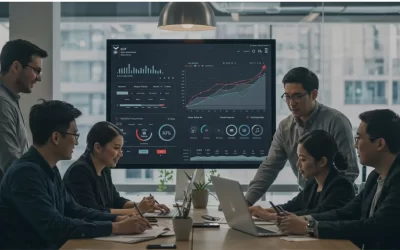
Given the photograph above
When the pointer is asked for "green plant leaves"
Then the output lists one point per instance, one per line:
(165, 177)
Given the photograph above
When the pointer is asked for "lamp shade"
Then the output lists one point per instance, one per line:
(187, 16)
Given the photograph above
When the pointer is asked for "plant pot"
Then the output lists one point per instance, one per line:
(182, 228)
(200, 198)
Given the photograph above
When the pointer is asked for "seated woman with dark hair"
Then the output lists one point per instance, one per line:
(326, 188)
(89, 181)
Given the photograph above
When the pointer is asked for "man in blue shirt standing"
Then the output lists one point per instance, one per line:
(34, 204)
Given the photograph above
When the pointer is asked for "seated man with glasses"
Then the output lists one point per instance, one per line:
(301, 91)
(36, 211)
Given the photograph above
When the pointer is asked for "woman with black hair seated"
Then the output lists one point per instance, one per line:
(326, 188)
(89, 181)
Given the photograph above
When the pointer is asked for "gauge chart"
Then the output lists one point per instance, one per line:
(143, 134)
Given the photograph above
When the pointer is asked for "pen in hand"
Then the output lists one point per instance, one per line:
(155, 200)
(140, 213)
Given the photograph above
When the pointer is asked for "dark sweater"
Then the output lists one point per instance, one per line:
(352, 222)
(36, 212)
(336, 192)
(89, 189)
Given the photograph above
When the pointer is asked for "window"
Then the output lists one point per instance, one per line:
(134, 173)
(75, 71)
(396, 92)
(239, 31)
(375, 66)
(396, 66)
(353, 92)
(97, 39)
(264, 31)
(82, 71)
(75, 39)
(146, 174)
(91, 104)
(376, 92)
(88, 38)
(97, 71)
(4, 33)
(369, 92)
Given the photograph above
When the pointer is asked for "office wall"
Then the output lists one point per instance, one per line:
(40, 24)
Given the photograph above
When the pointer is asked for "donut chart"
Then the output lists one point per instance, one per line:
(167, 132)
(244, 130)
(257, 130)
(231, 130)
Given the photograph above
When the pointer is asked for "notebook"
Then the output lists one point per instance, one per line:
(149, 234)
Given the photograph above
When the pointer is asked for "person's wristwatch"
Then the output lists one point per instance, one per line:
(310, 227)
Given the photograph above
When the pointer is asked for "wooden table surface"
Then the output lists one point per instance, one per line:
(223, 238)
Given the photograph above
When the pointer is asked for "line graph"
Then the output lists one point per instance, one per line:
(239, 95)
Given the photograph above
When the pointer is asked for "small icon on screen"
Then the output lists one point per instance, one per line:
(115, 49)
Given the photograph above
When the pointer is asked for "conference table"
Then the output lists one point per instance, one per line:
(223, 238)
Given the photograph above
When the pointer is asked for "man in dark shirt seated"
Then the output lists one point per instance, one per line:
(36, 212)
(372, 219)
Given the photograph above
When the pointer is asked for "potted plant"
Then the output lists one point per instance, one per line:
(165, 177)
(200, 192)
(182, 223)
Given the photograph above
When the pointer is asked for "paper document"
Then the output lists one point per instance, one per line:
(297, 238)
(146, 235)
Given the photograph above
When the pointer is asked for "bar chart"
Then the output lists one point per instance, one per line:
(146, 70)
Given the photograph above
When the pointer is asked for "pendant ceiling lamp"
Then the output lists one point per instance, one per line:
(187, 16)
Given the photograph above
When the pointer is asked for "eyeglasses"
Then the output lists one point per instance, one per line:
(76, 135)
(356, 138)
(37, 71)
(295, 98)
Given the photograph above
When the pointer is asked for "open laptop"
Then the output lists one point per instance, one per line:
(235, 208)
(174, 211)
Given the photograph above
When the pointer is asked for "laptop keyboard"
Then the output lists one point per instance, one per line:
(172, 212)
(264, 231)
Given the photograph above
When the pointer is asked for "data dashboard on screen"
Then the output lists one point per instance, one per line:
(186, 103)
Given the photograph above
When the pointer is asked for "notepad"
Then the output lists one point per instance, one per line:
(145, 236)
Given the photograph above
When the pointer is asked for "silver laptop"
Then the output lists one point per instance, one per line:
(235, 208)
(174, 211)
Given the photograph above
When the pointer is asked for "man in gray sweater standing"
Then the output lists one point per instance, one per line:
(301, 90)
(21, 68)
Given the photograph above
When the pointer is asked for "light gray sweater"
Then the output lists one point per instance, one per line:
(13, 135)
